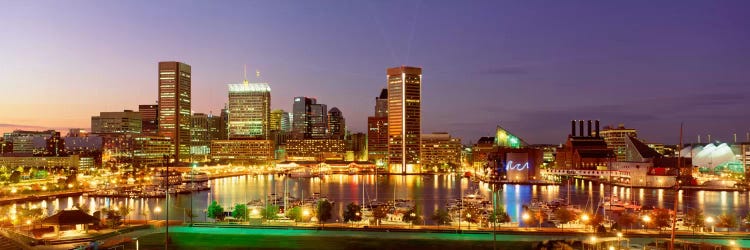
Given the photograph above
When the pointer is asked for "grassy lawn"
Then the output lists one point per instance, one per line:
(298, 239)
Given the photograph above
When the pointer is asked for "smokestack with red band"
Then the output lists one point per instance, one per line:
(573, 128)
(589, 128)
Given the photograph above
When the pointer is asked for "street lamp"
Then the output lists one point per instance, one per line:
(585, 219)
(356, 216)
(468, 219)
(646, 220)
(710, 221)
(619, 239)
(412, 219)
(525, 218)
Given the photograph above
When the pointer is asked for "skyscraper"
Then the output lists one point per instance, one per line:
(174, 106)
(336, 123)
(200, 135)
(377, 130)
(381, 104)
(404, 118)
(249, 110)
(149, 118)
(318, 121)
(276, 119)
(301, 117)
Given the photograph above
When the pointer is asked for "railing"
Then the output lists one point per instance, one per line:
(582, 172)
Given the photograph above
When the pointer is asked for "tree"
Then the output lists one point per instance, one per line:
(353, 212)
(442, 217)
(661, 218)
(416, 218)
(270, 212)
(500, 216)
(746, 221)
(240, 212)
(114, 219)
(564, 215)
(694, 218)
(295, 214)
(324, 210)
(379, 213)
(595, 220)
(627, 220)
(727, 220)
(215, 211)
(15, 177)
(471, 214)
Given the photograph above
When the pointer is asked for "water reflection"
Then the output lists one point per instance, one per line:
(429, 191)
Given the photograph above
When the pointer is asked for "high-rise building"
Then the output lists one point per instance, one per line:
(301, 110)
(117, 122)
(276, 119)
(200, 134)
(377, 130)
(404, 118)
(617, 138)
(377, 139)
(336, 123)
(381, 104)
(174, 107)
(249, 110)
(357, 144)
(318, 121)
(149, 119)
(286, 122)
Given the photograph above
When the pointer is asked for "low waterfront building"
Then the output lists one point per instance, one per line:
(315, 149)
(515, 164)
(440, 152)
(253, 152)
(66, 162)
(150, 151)
(584, 151)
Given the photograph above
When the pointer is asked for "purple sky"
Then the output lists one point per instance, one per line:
(530, 66)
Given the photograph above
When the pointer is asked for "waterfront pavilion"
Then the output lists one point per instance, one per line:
(73, 219)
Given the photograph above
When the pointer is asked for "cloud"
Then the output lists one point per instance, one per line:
(6, 125)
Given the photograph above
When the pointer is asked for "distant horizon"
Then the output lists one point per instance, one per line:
(528, 67)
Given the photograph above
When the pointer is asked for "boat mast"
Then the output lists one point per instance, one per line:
(676, 190)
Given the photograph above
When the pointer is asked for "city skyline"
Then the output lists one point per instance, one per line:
(686, 67)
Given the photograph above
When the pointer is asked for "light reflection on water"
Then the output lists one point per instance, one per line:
(429, 191)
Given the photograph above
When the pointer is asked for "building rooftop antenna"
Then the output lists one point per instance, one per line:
(244, 71)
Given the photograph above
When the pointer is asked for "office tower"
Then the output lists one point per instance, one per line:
(358, 146)
(404, 118)
(286, 122)
(616, 138)
(336, 124)
(126, 121)
(200, 134)
(174, 107)
(301, 117)
(381, 104)
(149, 119)
(318, 121)
(276, 119)
(377, 130)
(223, 124)
(249, 110)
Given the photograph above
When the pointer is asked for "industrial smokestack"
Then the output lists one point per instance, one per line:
(597, 128)
(699, 138)
(573, 128)
(580, 127)
(589, 123)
